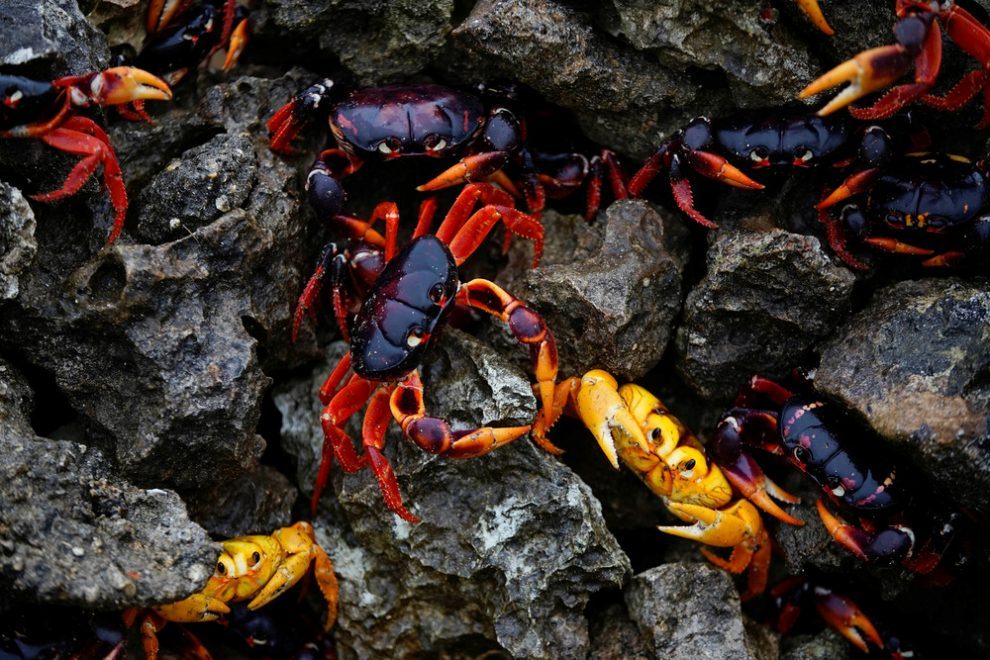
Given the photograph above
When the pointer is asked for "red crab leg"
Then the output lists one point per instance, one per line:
(427, 210)
(309, 298)
(528, 328)
(892, 542)
(477, 227)
(836, 236)
(845, 617)
(336, 377)
(711, 166)
(776, 393)
(36, 130)
(434, 435)
(470, 168)
(81, 136)
(470, 196)
(616, 180)
(336, 442)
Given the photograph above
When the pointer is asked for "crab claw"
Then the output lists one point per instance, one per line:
(867, 72)
(815, 15)
(722, 528)
(198, 607)
(716, 167)
(477, 167)
(844, 616)
(605, 414)
(126, 84)
(238, 41)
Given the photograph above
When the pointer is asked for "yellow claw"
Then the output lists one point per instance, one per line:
(195, 608)
(868, 72)
(722, 528)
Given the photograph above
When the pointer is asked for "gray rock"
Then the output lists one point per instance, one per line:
(256, 503)
(553, 47)
(765, 301)
(692, 610)
(826, 645)
(614, 635)
(609, 293)
(74, 534)
(913, 364)
(51, 37)
(17, 244)
(510, 546)
(765, 66)
(378, 41)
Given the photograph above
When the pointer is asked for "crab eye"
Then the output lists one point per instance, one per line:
(415, 337)
(255, 558)
(436, 293)
(806, 156)
(758, 154)
(801, 454)
(389, 146)
(221, 568)
(434, 143)
(655, 434)
(384, 148)
(690, 464)
(894, 219)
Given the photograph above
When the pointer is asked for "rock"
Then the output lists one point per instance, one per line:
(180, 323)
(551, 46)
(17, 244)
(610, 295)
(74, 534)
(614, 635)
(692, 610)
(826, 645)
(765, 65)
(49, 38)
(765, 301)
(511, 543)
(378, 41)
(258, 502)
(913, 364)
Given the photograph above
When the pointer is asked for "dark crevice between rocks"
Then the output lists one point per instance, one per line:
(51, 410)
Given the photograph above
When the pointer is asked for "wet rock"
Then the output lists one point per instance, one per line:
(72, 533)
(511, 543)
(914, 365)
(765, 65)
(256, 503)
(553, 47)
(611, 293)
(378, 41)
(826, 645)
(614, 635)
(49, 38)
(17, 244)
(765, 301)
(692, 610)
(811, 544)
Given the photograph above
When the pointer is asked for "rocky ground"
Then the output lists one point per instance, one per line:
(151, 399)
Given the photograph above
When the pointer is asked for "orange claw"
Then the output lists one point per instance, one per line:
(815, 15)
(718, 168)
(470, 168)
(844, 616)
(868, 72)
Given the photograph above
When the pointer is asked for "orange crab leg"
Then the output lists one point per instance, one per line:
(853, 185)
(815, 15)
(897, 247)
(476, 167)
(528, 328)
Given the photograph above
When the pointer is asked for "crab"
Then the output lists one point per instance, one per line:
(899, 520)
(931, 206)
(919, 40)
(632, 425)
(406, 296)
(257, 569)
(815, 15)
(439, 122)
(49, 111)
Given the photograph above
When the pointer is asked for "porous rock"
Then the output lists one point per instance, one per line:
(17, 244)
(767, 298)
(614, 635)
(764, 64)
(618, 95)
(49, 38)
(914, 365)
(826, 645)
(692, 610)
(255, 503)
(72, 533)
(378, 41)
(609, 292)
(510, 546)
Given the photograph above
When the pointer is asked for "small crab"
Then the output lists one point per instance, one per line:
(253, 568)
(49, 111)
(438, 122)
(406, 296)
(919, 40)
(632, 425)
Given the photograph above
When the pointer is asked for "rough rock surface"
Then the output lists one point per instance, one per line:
(609, 292)
(17, 244)
(378, 41)
(72, 533)
(510, 545)
(258, 502)
(826, 645)
(691, 610)
(614, 635)
(914, 365)
(765, 300)
(50, 37)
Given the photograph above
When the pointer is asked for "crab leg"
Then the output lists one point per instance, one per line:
(603, 166)
(815, 15)
(528, 328)
(476, 167)
(897, 247)
(476, 228)
(889, 543)
(336, 442)
(845, 617)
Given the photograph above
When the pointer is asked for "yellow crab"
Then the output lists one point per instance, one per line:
(259, 568)
(632, 425)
